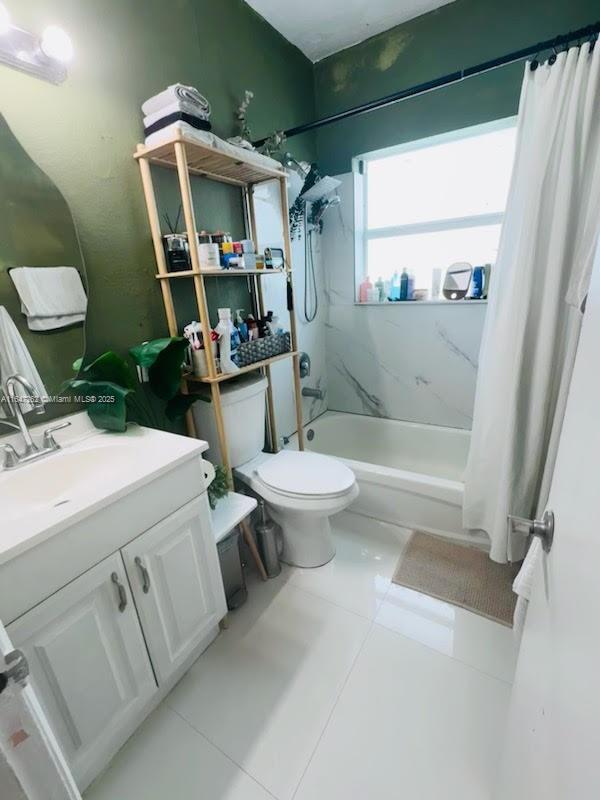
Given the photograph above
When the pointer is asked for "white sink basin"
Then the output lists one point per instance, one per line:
(60, 477)
(41, 498)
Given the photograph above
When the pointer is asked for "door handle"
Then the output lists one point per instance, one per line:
(121, 591)
(542, 528)
(145, 574)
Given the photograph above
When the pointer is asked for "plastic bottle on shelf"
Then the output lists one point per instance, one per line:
(404, 285)
(395, 287)
(410, 289)
(380, 286)
(225, 329)
(241, 325)
(363, 290)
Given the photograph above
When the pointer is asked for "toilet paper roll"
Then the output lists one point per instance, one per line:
(209, 472)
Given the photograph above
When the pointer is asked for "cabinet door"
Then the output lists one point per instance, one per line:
(89, 665)
(174, 573)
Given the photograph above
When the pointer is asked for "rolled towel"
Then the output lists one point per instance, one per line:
(177, 93)
(163, 122)
(179, 107)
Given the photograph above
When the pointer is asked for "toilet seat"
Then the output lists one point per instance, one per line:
(305, 475)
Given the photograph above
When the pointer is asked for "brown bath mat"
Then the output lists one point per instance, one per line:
(458, 574)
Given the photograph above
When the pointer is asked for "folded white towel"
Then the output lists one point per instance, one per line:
(523, 583)
(51, 297)
(177, 93)
(178, 107)
(15, 359)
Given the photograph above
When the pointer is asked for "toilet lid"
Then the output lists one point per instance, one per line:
(309, 474)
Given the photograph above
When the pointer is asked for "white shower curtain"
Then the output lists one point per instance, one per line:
(539, 283)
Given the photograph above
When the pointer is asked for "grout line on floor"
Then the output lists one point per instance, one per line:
(439, 653)
(333, 708)
(216, 746)
(312, 593)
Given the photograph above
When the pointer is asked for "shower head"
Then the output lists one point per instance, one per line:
(289, 162)
(320, 189)
(320, 211)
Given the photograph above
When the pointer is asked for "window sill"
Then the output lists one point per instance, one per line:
(413, 303)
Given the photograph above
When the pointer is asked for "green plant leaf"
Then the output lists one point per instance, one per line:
(164, 359)
(179, 405)
(77, 365)
(112, 368)
(106, 414)
(145, 354)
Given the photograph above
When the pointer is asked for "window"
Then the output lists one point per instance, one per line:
(431, 203)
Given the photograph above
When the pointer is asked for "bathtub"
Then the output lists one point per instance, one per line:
(409, 474)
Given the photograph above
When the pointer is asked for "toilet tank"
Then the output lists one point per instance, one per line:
(243, 402)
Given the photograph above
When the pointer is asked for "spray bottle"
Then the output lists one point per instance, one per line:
(224, 329)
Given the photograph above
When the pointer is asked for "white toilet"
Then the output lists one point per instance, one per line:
(301, 489)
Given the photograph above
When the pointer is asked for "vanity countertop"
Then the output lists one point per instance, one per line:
(93, 469)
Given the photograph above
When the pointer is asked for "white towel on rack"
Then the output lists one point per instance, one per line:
(523, 583)
(15, 359)
(177, 93)
(51, 297)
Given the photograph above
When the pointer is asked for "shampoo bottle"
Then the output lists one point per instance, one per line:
(380, 286)
(404, 285)
(395, 287)
(363, 290)
(225, 329)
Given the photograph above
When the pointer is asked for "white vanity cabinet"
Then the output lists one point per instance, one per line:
(89, 665)
(174, 574)
(106, 648)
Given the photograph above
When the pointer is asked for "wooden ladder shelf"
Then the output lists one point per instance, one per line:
(188, 157)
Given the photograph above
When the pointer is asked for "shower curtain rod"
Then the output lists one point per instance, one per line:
(445, 80)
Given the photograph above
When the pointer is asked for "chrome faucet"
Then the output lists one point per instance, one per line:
(15, 400)
(32, 451)
(308, 392)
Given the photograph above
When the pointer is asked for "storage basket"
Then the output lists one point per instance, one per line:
(260, 349)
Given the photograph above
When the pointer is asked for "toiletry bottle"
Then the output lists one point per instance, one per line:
(241, 325)
(224, 329)
(252, 328)
(476, 289)
(436, 283)
(363, 290)
(403, 285)
(395, 287)
(380, 287)
(410, 289)
(487, 274)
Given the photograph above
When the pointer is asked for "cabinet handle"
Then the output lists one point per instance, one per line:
(145, 575)
(121, 590)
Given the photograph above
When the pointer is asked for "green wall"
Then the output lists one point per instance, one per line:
(83, 133)
(460, 34)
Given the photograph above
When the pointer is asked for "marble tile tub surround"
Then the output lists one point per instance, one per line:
(311, 336)
(415, 362)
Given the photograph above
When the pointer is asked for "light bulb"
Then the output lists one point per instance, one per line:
(4, 19)
(57, 44)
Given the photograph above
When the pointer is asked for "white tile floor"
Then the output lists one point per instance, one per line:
(331, 684)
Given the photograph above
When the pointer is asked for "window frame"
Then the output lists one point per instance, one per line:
(363, 234)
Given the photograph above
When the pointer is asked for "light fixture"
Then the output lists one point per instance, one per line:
(4, 19)
(44, 56)
(57, 44)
